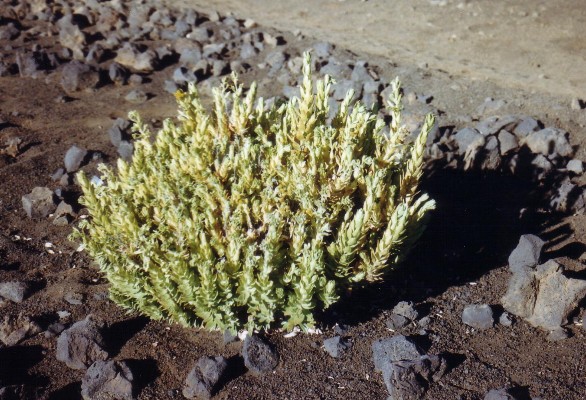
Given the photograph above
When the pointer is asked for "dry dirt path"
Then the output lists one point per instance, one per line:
(528, 44)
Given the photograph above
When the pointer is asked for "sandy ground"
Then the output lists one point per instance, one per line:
(525, 44)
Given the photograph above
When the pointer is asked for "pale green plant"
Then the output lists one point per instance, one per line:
(255, 215)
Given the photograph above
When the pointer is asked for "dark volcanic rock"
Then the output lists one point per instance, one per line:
(82, 344)
(76, 76)
(14, 291)
(107, 380)
(259, 355)
(527, 253)
(204, 378)
(336, 346)
(409, 379)
(395, 348)
(478, 316)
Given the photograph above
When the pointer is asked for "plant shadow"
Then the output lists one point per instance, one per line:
(477, 222)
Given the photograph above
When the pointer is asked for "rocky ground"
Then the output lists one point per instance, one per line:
(489, 306)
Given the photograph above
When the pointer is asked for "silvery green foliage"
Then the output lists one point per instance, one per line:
(244, 217)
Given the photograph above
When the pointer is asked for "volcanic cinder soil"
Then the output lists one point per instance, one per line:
(69, 70)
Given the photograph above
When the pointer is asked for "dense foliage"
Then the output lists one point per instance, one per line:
(252, 215)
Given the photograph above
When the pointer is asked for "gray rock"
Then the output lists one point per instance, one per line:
(406, 309)
(337, 69)
(549, 141)
(214, 50)
(190, 56)
(96, 54)
(118, 73)
(182, 75)
(200, 34)
(566, 197)
(575, 166)
(15, 329)
(205, 377)
(247, 51)
(409, 379)
(491, 158)
(220, 67)
(336, 346)
(499, 394)
(229, 337)
(107, 380)
(276, 60)
(360, 73)
(39, 203)
(82, 344)
(135, 79)
(395, 348)
(396, 322)
(119, 131)
(136, 58)
(322, 49)
(74, 158)
(136, 96)
(125, 150)
(170, 86)
(508, 142)
(544, 297)
(466, 138)
(542, 166)
(71, 36)
(259, 355)
(479, 316)
(505, 319)
(14, 291)
(493, 125)
(527, 253)
(74, 298)
(526, 126)
(558, 296)
(342, 87)
(9, 32)
(30, 64)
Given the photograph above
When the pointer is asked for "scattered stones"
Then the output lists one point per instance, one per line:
(527, 253)
(409, 379)
(125, 150)
(544, 297)
(107, 380)
(490, 105)
(82, 344)
(336, 346)
(14, 291)
(74, 158)
(39, 203)
(403, 313)
(71, 36)
(76, 76)
(136, 96)
(13, 330)
(259, 355)
(205, 378)
(395, 348)
(478, 316)
(526, 127)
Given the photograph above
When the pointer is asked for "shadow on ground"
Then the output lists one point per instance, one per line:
(477, 223)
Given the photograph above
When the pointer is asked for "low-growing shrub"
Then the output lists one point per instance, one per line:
(253, 215)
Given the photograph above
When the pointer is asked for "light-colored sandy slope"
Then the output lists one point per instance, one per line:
(534, 44)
